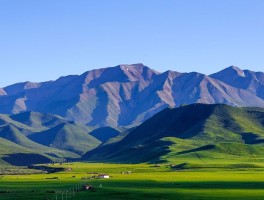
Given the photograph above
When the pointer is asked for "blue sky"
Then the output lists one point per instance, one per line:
(44, 39)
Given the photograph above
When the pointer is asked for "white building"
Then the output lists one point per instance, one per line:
(103, 176)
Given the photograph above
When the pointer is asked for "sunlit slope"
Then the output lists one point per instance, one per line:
(42, 137)
(197, 131)
(16, 147)
(68, 137)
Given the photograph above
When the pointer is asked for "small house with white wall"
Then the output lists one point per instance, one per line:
(103, 176)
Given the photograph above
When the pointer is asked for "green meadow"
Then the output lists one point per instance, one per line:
(214, 180)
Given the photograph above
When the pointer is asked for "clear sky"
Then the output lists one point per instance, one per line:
(44, 39)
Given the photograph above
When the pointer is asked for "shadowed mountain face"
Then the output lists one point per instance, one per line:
(197, 130)
(127, 95)
(105, 133)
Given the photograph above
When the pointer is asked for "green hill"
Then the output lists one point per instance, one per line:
(67, 137)
(16, 147)
(31, 137)
(197, 131)
(12, 134)
(37, 120)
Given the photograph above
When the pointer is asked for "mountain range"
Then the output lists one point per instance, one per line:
(127, 95)
(132, 113)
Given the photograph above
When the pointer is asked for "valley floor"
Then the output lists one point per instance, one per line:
(146, 181)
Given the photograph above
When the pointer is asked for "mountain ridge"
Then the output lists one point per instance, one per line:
(127, 95)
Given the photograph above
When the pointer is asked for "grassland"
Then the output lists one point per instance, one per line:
(214, 180)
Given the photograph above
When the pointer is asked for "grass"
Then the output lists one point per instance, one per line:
(214, 180)
(197, 130)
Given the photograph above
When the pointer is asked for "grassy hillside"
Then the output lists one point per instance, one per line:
(67, 137)
(17, 149)
(31, 137)
(197, 131)
(37, 120)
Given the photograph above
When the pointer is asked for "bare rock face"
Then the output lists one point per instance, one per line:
(129, 94)
(243, 79)
(2, 92)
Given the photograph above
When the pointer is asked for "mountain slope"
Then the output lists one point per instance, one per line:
(9, 132)
(244, 79)
(51, 131)
(17, 149)
(105, 133)
(67, 137)
(53, 138)
(198, 130)
(12, 134)
(38, 120)
(127, 95)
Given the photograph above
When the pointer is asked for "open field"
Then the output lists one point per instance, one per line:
(189, 181)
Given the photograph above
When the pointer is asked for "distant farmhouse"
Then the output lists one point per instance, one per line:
(103, 176)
